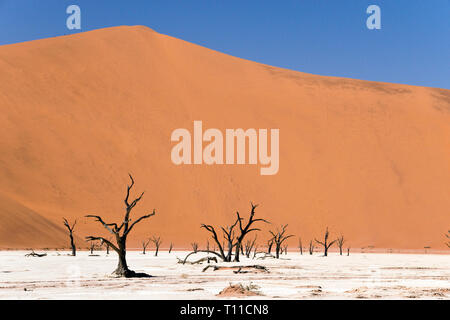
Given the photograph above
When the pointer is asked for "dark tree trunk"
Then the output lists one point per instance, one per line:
(71, 228)
(237, 252)
(122, 267)
(72, 244)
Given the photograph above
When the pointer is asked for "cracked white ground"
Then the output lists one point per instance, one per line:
(295, 276)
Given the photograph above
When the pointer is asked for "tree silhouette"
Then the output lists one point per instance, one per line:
(340, 242)
(326, 245)
(71, 228)
(157, 242)
(448, 237)
(279, 236)
(121, 232)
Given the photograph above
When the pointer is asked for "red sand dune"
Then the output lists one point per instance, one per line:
(370, 160)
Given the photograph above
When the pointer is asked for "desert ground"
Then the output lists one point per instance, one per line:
(294, 276)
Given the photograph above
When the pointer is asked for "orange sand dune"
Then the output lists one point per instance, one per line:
(21, 227)
(370, 160)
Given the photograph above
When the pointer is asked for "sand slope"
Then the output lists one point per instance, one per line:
(21, 227)
(371, 160)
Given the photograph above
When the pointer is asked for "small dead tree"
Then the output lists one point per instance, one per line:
(340, 242)
(326, 245)
(71, 228)
(92, 246)
(121, 232)
(249, 244)
(246, 229)
(279, 236)
(448, 237)
(231, 238)
(255, 251)
(300, 245)
(170, 247)
(194, 246)
(145, 245)
(311, 247)
(269, 246)
(348, 252)
(157, 242)
(107, 246)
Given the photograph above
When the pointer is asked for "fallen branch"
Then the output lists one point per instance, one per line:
(240, 269)
(34, 254)
(199, 261)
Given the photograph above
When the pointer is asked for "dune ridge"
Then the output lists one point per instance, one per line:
(370, 160)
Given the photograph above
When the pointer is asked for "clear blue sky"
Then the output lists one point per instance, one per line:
(326, 37)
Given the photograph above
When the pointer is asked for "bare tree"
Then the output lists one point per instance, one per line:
(255, 251)
(145, 245)
(229, 241)
(448, 237)
(92, 246)
(300, 245)
(340, 242)
(231, 238)
(194, 246)
(246, 229)
(170, 247)
(71, 228)
(121, 233)
(326, 245)
(249, 244)
(279, 236)
(157, 242)
(311, 247)
(107, 246)
(269, 245)
(348, 252)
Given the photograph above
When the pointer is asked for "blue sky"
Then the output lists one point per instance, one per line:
(324, 37)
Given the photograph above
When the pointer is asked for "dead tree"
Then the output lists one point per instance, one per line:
(34, 254)
(269, 246)
(145, 245)
(170, 247)
(232, 240)
(194, 246)
(249, 244)
(255, 251)
(300, 245)
(326, 245)
(157, 242)
(285, 249)
(92, 246)
(448, 237)
(348, 252)
(246, 229)
(279, 236)
(311, 247)
(228, 235)
(70, 228)
(340, 242)
(121, 232)
(107, 247)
